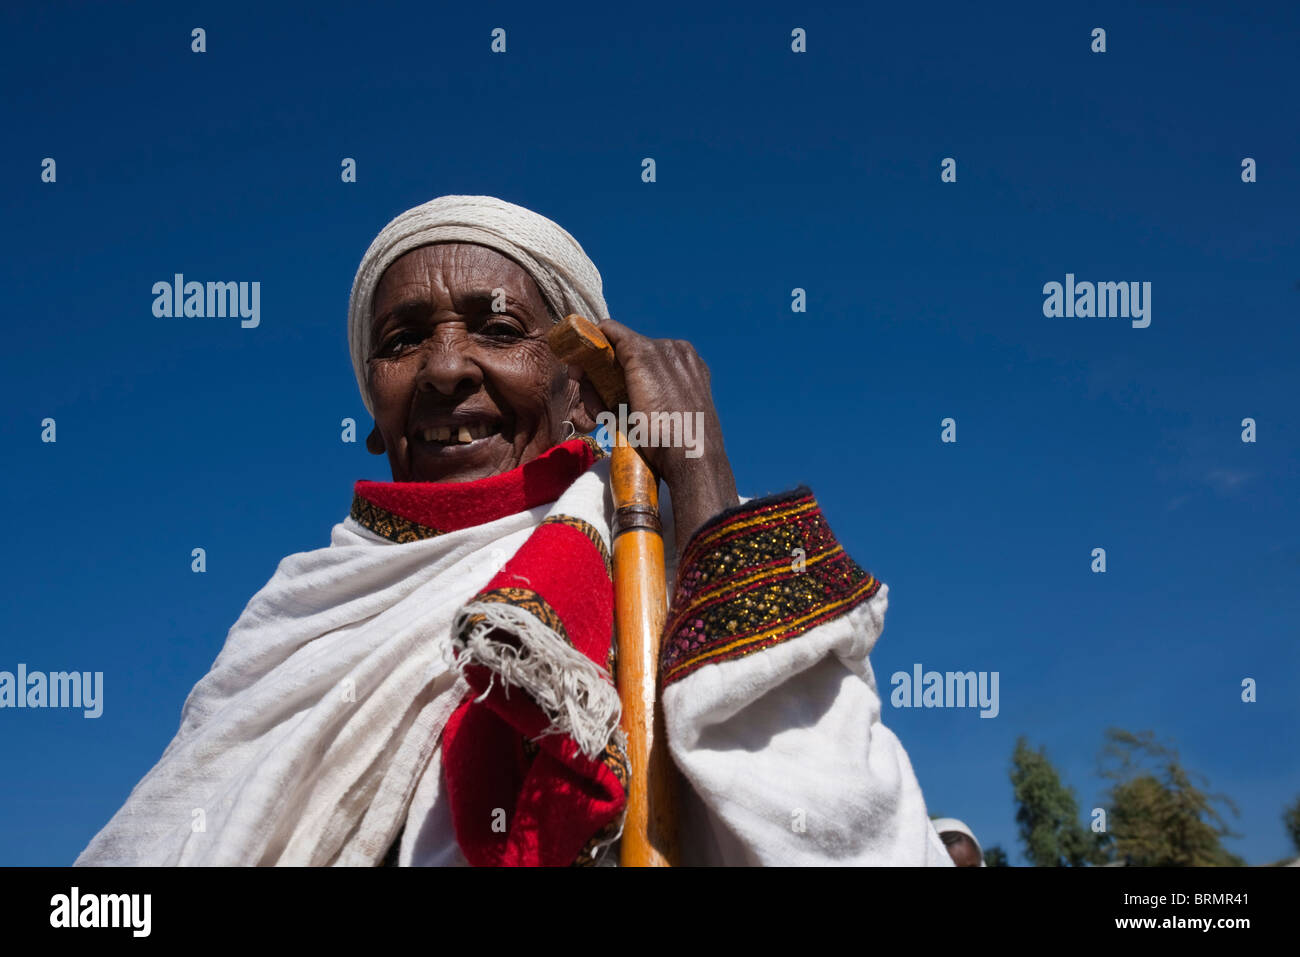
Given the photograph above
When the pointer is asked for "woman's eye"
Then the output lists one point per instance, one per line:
(500, 329)
(401, 340)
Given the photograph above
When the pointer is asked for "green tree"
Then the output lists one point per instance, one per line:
(1291, 819)
(996, 857)
(1047, 814)
(1158, 815)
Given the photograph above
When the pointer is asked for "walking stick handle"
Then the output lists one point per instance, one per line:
(579, 342)
(640, 606)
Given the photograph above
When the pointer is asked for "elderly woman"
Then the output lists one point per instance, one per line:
(434, 687)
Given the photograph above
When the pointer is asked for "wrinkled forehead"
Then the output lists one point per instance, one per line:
(467, 271)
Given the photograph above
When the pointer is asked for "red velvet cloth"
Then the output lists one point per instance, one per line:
(451, 506)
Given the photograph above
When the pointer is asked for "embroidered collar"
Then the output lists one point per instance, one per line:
(410, 511)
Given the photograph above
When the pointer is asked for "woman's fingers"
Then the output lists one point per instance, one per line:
(630, 347)
(616, 332)
(668, 376)
(672, 365)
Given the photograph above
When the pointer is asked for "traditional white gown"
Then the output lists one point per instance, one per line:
(315, 739)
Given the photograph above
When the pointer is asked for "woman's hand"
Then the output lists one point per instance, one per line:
(668, 375)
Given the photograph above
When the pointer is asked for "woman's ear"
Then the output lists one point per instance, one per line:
(584, 402)
(375, 442)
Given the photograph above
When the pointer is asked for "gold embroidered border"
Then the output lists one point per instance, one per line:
(524, 598)
(387, 524)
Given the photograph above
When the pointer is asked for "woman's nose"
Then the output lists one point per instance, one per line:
(446, 365)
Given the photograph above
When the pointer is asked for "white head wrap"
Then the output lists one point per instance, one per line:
(944, 825)
(569, 281)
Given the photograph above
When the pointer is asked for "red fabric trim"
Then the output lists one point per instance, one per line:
(561, 565)
(512, 804)
(510, 810)
(451, 506)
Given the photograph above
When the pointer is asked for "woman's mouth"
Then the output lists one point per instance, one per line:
(465, 435)
(461, 434)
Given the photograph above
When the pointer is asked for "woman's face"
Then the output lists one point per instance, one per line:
(461, 378)
(961, 849)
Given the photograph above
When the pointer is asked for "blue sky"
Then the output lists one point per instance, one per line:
(775, 170)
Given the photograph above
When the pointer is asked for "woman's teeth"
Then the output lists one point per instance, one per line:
(461, 435)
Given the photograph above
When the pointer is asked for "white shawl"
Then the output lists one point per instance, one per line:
(305, 741)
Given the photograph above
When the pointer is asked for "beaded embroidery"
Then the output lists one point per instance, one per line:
(742, 587)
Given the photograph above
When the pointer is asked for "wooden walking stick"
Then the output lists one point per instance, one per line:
(640, 606)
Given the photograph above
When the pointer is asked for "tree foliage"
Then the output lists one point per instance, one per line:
(996, 857)
(1291, 819)
(1159, 817)
(1047, 814)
